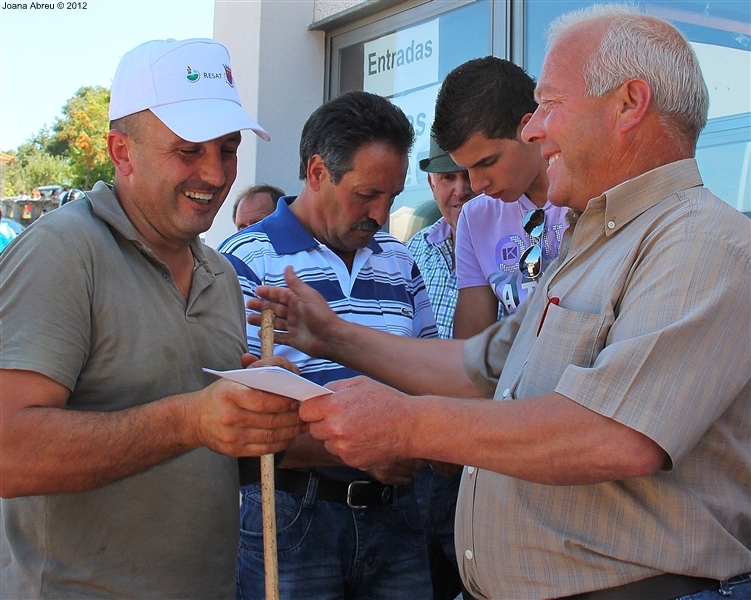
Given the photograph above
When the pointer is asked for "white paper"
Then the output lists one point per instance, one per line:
(275, 380)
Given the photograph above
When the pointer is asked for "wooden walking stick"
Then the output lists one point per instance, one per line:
(271, 567)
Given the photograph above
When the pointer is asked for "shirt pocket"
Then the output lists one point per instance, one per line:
(567, 337)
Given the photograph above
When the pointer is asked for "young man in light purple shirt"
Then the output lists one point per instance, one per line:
(480, 112)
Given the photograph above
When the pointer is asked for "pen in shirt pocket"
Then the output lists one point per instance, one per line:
(554, 300)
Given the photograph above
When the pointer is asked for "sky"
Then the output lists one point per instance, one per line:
(47, 55)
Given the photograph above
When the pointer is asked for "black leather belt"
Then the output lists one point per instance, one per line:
(660, 587)
(355, 494)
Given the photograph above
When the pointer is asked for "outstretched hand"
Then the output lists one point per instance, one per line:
(365, 423)
(301, 315)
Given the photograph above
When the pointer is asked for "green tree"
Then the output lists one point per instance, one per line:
(34, 166)
(51, 142)
(83, 127)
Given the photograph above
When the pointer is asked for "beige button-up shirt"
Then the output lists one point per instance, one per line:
(652, 329)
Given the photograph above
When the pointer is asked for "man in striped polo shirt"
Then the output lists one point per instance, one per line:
(341, 532)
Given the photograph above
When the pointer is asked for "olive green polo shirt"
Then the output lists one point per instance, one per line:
(83, 302)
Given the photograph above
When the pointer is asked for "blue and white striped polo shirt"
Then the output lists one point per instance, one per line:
(384, 291)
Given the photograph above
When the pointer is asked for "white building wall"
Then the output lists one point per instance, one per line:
(328, 8)
(279, 68)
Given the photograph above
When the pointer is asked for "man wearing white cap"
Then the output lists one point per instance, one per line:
(118, 474)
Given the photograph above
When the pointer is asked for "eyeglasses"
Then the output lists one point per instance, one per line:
(531, 261)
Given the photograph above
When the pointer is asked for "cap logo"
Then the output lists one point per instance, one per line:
(193, 75)
(228, 75)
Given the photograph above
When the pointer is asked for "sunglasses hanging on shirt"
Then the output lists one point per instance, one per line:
(533, 224)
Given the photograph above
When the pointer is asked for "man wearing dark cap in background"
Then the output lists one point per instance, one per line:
(433, 246)
(118, 472)
(437, 485)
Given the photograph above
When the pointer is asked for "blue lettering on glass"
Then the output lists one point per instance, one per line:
(420, 128)
(418, 124)
(403, 56)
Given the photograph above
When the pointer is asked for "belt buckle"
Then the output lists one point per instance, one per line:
(349, 494)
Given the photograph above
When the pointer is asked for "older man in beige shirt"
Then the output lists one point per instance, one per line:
(614, 461)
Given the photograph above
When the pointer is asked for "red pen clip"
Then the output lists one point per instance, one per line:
(554, 300)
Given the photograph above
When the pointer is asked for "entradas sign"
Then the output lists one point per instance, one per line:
(402, 61)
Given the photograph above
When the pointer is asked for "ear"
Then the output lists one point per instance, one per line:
(316, 172)
(430, 181)
(119, 147)
(635, 99)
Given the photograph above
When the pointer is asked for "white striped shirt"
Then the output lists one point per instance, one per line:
(384, 290)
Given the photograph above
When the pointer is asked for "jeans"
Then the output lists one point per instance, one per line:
(328, 551)
(436, 497)
(737, 588)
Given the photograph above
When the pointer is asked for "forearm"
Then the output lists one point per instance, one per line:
(75, 451)
(303, 319)
(47, 448)
(413, 365)
(548, 439)
(476, 310)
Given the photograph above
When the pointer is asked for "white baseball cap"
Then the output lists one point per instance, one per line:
(187, 84)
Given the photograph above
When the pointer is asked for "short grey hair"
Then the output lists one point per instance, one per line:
(131, 125)
(637, 45)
